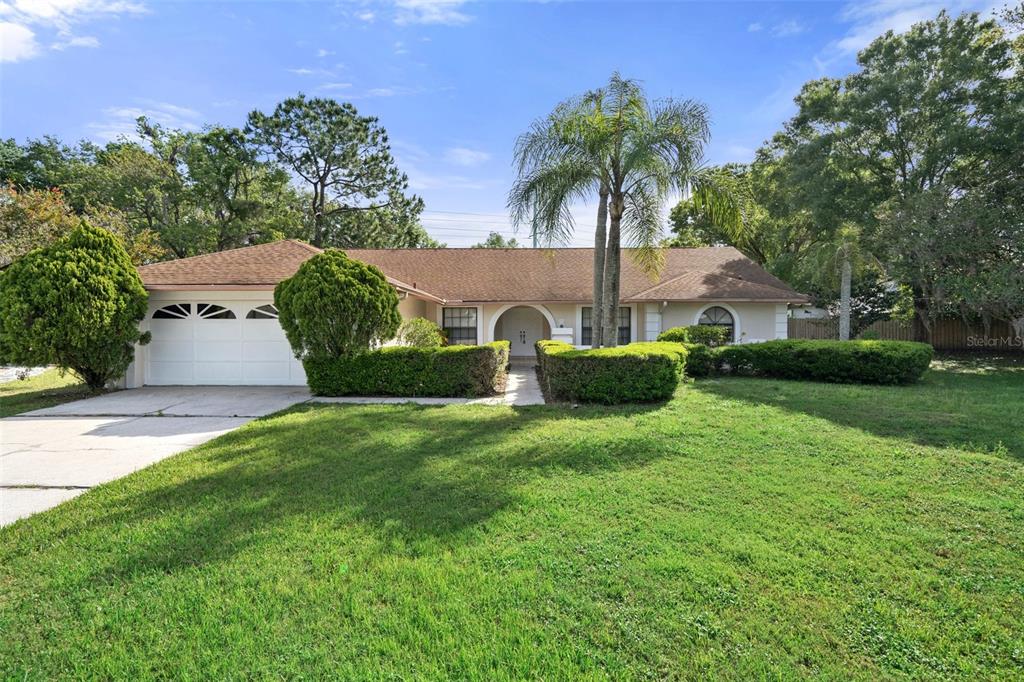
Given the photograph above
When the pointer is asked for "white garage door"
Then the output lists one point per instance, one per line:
(208, 342)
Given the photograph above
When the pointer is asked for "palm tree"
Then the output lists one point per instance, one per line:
(561, 160)
(844, 253)
(634, 154)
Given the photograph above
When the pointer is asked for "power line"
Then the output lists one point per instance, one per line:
(494, 215)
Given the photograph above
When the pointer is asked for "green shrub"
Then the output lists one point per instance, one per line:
(675, 335)
(866, 362)
(700, 360)
(420, 332)
(698, 333)
(335, 307)
(77, 304)
(638, 372)
(449, 371)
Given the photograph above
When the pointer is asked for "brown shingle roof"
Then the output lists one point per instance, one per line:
(257, 267)
(250, 267)
(549, 275)
(485, 275)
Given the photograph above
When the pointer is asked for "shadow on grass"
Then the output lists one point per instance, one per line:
(971, 406)
(418, 476)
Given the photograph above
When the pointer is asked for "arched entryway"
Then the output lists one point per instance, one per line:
(522, 326)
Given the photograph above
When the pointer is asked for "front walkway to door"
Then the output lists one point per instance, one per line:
(523, 387)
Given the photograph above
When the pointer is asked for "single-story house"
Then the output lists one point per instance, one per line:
(213, 319)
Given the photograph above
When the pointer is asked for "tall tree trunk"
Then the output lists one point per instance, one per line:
(612, 268)
(600, 236)
(844, 299)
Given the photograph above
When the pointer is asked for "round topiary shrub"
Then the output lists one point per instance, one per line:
(336, 307)
(420, 332)
(76, 304)
(675, 335)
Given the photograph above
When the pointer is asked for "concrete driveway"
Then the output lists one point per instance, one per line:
(51, 455)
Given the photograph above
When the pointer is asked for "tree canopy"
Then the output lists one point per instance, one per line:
(76, 303)
(343, 160)
(495, 240)
(918, 154)
(175, 193)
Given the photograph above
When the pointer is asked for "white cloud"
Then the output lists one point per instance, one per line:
(120, 121)
(76, 41)
(399, 48)
(323, 52)
(445, 12)
(312, 71)
(463, 156)
(334, 86)
(55, 21)
(788, 28)
(783, 29)
(873, 18)
(366, 15)
(17, 42)
(420, 181)
(416, 161)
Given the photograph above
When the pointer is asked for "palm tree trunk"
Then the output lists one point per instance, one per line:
(600, 236)
(844, 299)
(612, 269)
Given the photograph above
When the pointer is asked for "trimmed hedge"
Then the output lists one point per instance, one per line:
(446, 372)
(698, 333)
(638, 372)
(700, 360)
(864, 362)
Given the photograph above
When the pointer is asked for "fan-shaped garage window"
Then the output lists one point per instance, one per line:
(212, 311)
(716, 316)
(263, 312)
(175, 311)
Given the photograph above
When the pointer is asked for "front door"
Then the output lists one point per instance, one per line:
(523, 327)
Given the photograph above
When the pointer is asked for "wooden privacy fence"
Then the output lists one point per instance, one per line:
(813, 329)
(947, 334)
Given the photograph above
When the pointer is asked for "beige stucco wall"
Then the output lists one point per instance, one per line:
(755, 321)
(412, 307)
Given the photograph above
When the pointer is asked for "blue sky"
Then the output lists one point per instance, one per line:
(454, 82)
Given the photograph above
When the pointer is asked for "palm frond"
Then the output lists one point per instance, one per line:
(642, 225)
(541, 199)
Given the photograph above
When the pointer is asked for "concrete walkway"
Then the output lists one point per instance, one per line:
(522, 389)
(51, 455)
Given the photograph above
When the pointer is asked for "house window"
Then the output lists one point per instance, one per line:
(262, 312)
(717, 316)
(175, 311)
(459, 325)
(587, 328)
(212, 311)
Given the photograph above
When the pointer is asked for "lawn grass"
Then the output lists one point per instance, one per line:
(43, 390)
(746, 529)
